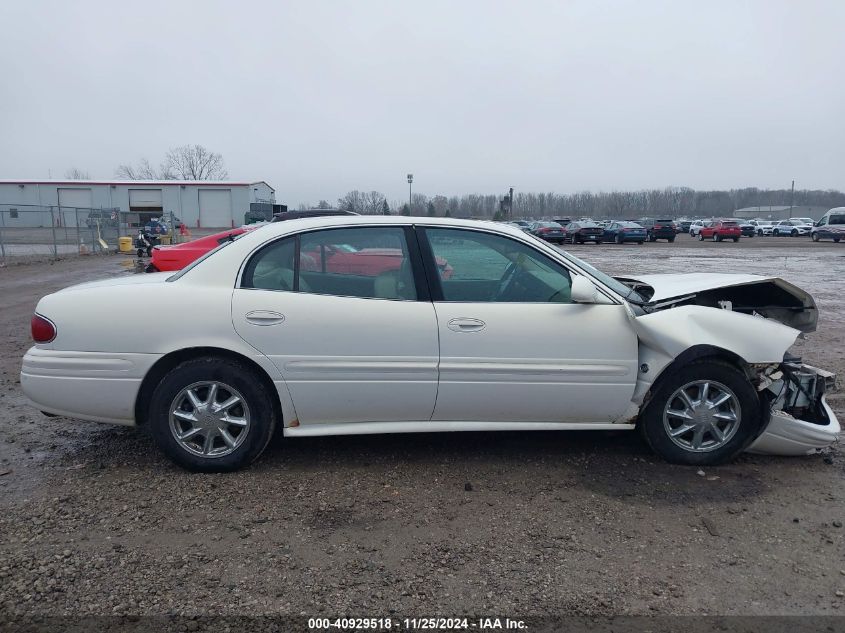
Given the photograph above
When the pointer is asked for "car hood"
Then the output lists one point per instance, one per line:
(770, 297)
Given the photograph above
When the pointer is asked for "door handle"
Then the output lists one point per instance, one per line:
(466, 325)
(264, 317)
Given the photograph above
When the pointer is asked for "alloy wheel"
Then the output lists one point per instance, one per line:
(702, 416)
(209, 419)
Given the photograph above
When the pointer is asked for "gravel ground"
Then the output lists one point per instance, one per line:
(94, 521)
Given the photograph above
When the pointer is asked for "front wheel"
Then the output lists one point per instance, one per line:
(212, 415)
(717, 237)
(815, 237)
(700, 237)
(794, 233)
(759, 233)
(776, 233)
(705, 413)
(736, 239)
(671, 239)
(618, 239)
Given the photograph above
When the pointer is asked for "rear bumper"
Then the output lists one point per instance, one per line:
(95, 386)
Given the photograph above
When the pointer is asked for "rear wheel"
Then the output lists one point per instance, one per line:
(717, 237)
(705, 413)
(836, 239)
(671, 239)
(618, 239)
(759, 232)
(700, 237)
(776, 233)
(212, 415)
(736, 239)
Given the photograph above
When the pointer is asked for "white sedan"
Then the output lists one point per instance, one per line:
(356, 324)
(792, 228)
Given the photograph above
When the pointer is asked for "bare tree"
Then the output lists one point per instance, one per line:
(143, 171)
(74, 173)
(195, 162)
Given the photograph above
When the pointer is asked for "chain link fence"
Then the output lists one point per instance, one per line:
(50, 231)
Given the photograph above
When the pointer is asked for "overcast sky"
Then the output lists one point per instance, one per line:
(319, 98)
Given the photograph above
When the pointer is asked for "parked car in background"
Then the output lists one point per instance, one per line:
(176, 257)
(805, 220)
(684, 225)
(562, 221)
(792, 228)
(658, 229)
(309, 352)
(525, 225)
(549, 231)
(762, 227)
(745, 227)
(696, 227)
(621, 232)
(582, 232)
(831, 226)
(720, 230)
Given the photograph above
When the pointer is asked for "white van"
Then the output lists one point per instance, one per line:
(831, 226)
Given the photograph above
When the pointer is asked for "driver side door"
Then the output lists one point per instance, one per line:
(513, 347)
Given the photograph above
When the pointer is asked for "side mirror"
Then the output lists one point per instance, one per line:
(583, 290)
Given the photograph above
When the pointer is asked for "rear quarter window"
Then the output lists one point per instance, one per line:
(837, 219)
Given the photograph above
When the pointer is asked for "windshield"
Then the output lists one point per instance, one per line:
(617, 286)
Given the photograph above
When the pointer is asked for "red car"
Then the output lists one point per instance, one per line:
(721, 230)
(176, 257)
(340, 258)
(370, 262)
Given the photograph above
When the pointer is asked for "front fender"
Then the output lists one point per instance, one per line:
(666, 335)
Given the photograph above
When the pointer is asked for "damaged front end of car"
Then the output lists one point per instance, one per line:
(800, 420)
(752, 318)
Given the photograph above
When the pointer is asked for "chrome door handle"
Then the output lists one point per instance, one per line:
(466, 325)
(264, 317)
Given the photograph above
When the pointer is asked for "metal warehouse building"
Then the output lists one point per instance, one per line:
(201, 204)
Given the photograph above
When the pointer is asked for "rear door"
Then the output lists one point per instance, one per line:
(338, 312)
(512, 345)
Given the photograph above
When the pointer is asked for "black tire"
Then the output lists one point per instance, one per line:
(151, 269)
(717, 237)
(258, 398)
(814, 237)
(776, 233)
(618, 239)
(671, 239)
(736, 239)
(836, 239)
(653, 430)
(651, 238)
(759, 232)
(794, 233)
(700, 237)
(140, 252)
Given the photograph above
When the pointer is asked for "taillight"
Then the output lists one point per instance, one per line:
(545, 230)
(43, 330)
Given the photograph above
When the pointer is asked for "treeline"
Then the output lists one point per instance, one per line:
(673, 201)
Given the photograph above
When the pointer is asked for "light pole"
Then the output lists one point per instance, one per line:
(410, 183)
(510, 205)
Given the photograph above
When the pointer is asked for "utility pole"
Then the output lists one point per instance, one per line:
(791, 199)
(510, 203)
(410, 197)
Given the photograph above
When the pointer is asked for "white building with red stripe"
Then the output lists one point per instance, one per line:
(197, 203)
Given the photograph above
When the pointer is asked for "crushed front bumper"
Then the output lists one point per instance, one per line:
(786, 434)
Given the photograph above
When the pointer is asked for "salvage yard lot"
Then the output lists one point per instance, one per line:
(94, 520)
